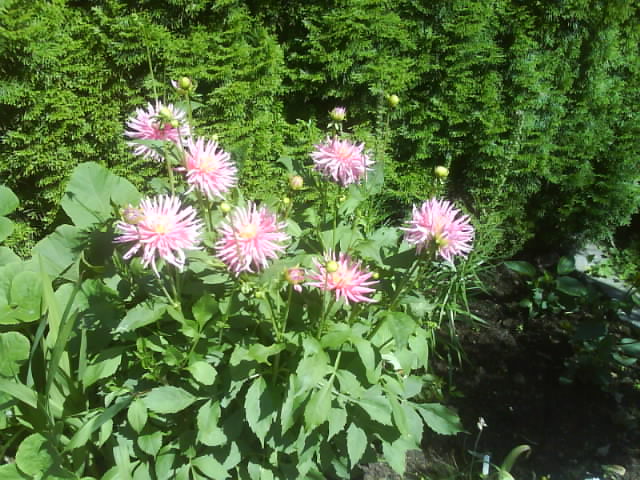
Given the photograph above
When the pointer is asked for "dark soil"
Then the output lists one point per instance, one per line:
(511, 377)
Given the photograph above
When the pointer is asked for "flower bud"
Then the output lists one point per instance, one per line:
(375, 275)
(441, 171)
(296, 182)
(338, 114)
(165, 115)
(332, 266)
(132, 215)
(259, 294)
(286, 201)
(224, 207)
(185, 83)
(294, 275)
(393, 100)
(175, 123)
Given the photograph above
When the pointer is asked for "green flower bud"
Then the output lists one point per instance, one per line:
(338, 114)
(185, 83)
(441, 171)
(165, 115)
(224, 207)
(286, 201)
(175, 123)
(393, 100)
(332, 266)
(296, 182)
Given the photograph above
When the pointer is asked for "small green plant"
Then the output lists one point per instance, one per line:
(549, 292)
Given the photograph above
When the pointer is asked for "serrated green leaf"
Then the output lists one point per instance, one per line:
(168, 399)
(103, 366)
(259, 407)
(401, 326)
(35, 455)
(440, 419)
(150, 443)
(521, 267)
(210, 467)
(395, 453)
(137, 415)
(204, 309)
(375, 404)
(141, 315)
(209, 431)
(203, 372)
(337, 420)
(318, 407)
(356, 444)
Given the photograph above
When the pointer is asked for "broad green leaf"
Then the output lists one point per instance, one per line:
(521, 267)
(8, 201)
(565, 266)
(257, 352)
(395, 453)
(137, 415)
(90, 191)
(356, 443)
(26, 293)
(440, 419)
(571, 286)
(14, 351)
(150, 443)
(318, 407)
(103, 366)
(312, 369)
(209, 431)
(7, 256)
(168, 399)
(35, 455)
(141, 315)
(399, 417)
(59, 250)
(259, 408)
(142, 472)
(337, 337)
(202, 372)
(368, 358)
(6, 228)
(10, 472)
(349, 384)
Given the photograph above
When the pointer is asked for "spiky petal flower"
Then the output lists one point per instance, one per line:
(341, 160)
(157, 122)
(209, 169)
(439, 223)
(346, 278)
(250, 238)
(163, 229)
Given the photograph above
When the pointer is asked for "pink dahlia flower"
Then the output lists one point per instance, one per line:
(157, 122)
(250, 238)
(439, 222)
(208, 168)
(161, 229)
(295, 277)
(341, 160)
(344, 277)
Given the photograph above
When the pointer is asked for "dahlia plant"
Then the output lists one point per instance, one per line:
(193, 333)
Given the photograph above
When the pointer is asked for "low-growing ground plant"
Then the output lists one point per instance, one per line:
(197, 334)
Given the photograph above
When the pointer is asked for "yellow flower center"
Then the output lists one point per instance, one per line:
(341, 279)
(208, 165)
(162, 225)
(248, 231)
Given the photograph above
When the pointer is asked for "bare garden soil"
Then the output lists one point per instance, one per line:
(511, 375)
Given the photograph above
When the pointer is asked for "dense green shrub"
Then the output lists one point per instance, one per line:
(529, 104)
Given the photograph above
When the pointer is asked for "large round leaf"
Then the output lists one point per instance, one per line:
(35, 456)
(8, 201)
(14, 351)
(6, 227)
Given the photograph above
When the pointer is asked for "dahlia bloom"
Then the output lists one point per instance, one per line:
(341, 160)
(153, 124)
(162, 229)
(208, 168)
(250, 238)
(439, 222)
(295, 277)
(346, 278)
(338, 114)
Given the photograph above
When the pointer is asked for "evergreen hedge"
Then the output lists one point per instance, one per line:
(532, 105)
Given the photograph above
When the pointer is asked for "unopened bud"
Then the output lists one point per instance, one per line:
(165, 115)
(286, 201)
(294, 276)
(185, 83)
(296, 182)
(338, 114)
(393, 100)
(259, 294)
(132, 215)
(175, 123)
(375, 275)
(441, 171)
(332, 266)
(224, 207)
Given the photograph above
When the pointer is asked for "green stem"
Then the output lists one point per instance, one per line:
(403, 283)
(325, 300)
